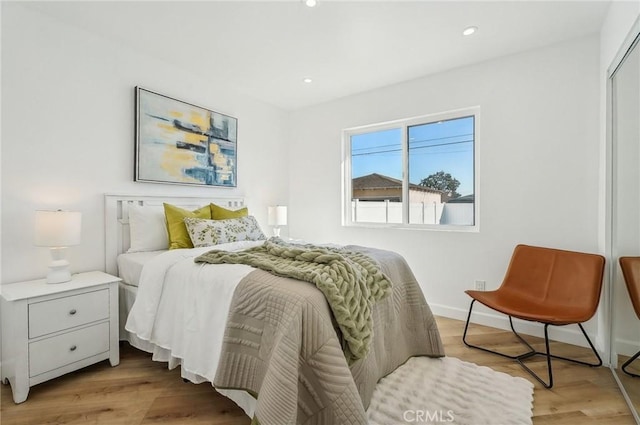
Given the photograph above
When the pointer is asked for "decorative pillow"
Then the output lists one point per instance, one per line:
(219, 213)
(147, 229)
(215, 232)
(178, 235)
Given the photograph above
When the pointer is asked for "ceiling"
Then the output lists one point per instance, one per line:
(266, 48)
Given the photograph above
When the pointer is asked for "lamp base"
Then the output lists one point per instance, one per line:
(59, 267)
(276, 232)
(57, 275)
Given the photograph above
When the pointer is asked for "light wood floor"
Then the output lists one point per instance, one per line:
(631, 384)
(140, 391)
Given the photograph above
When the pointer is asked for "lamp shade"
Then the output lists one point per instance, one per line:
(278, 215)
(58, 228)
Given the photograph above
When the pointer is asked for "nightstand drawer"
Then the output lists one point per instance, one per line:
(61, 350)
(58, 314)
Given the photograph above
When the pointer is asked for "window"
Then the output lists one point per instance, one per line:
(416, 172)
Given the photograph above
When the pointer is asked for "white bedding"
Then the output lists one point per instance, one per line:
(181, 310)
(130, 265)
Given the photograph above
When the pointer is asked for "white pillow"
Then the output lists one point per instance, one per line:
(214, 232)
(147, 228)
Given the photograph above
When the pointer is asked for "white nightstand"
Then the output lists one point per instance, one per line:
(52, 329)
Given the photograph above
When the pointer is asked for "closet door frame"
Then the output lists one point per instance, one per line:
(632, 41)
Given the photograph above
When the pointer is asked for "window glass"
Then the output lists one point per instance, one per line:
(441, 171)
(376, 175)
(417, 171)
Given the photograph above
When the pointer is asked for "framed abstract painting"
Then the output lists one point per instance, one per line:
(181, 143)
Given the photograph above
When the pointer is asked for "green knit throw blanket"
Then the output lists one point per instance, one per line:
(351, 281)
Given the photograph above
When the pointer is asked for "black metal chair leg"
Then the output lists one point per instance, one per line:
(531, 349)
(593, 349)
(468, 344)
(532, 352)
(547, 354)
(628, 362)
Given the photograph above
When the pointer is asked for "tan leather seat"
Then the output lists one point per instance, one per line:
(550, 286)
(631, 272)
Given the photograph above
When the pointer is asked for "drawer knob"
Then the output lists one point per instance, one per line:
(73, 348)
(72, 312)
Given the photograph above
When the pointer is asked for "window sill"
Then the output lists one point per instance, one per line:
(421, 227)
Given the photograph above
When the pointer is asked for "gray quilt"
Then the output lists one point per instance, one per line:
(351, 282)
(281, 343)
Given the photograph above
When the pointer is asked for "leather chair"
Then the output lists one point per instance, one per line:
(631, 272)
(549, 286)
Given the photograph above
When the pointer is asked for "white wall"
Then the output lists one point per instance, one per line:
(619, 20)
(538, 161)
(68, 134)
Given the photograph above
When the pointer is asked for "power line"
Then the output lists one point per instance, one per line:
(438, 153)
(375, 147)
(414, 141)
(412, 148)
(439, 138)
(442, 144)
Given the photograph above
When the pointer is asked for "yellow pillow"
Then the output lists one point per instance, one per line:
(219, 213)
(178, 235)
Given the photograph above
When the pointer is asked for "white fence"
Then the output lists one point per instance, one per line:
(419, 213)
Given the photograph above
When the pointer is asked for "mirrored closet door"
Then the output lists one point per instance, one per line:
(625, 241)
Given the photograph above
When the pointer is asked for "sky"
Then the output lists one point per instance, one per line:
(440, 146)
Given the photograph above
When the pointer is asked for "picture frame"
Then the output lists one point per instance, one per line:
(177, 142)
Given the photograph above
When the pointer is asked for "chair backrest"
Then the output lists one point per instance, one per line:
(631, 272)
(556, 278)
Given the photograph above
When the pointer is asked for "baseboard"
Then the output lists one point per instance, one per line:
(566, 334)
(627, 347)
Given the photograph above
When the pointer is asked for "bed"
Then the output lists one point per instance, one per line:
(250, 333)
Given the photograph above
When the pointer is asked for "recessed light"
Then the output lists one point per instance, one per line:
(310, 3)
(469, 30)
(308, 80)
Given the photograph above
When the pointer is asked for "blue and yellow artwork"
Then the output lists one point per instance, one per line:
(180, 143)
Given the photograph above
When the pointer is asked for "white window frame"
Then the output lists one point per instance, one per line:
(404, 124)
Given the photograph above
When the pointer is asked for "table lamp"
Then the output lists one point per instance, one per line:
(277, 218)
(58, 230)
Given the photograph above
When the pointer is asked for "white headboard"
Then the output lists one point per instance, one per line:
(117, 218)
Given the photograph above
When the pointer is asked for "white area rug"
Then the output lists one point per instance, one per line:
(450, 391)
